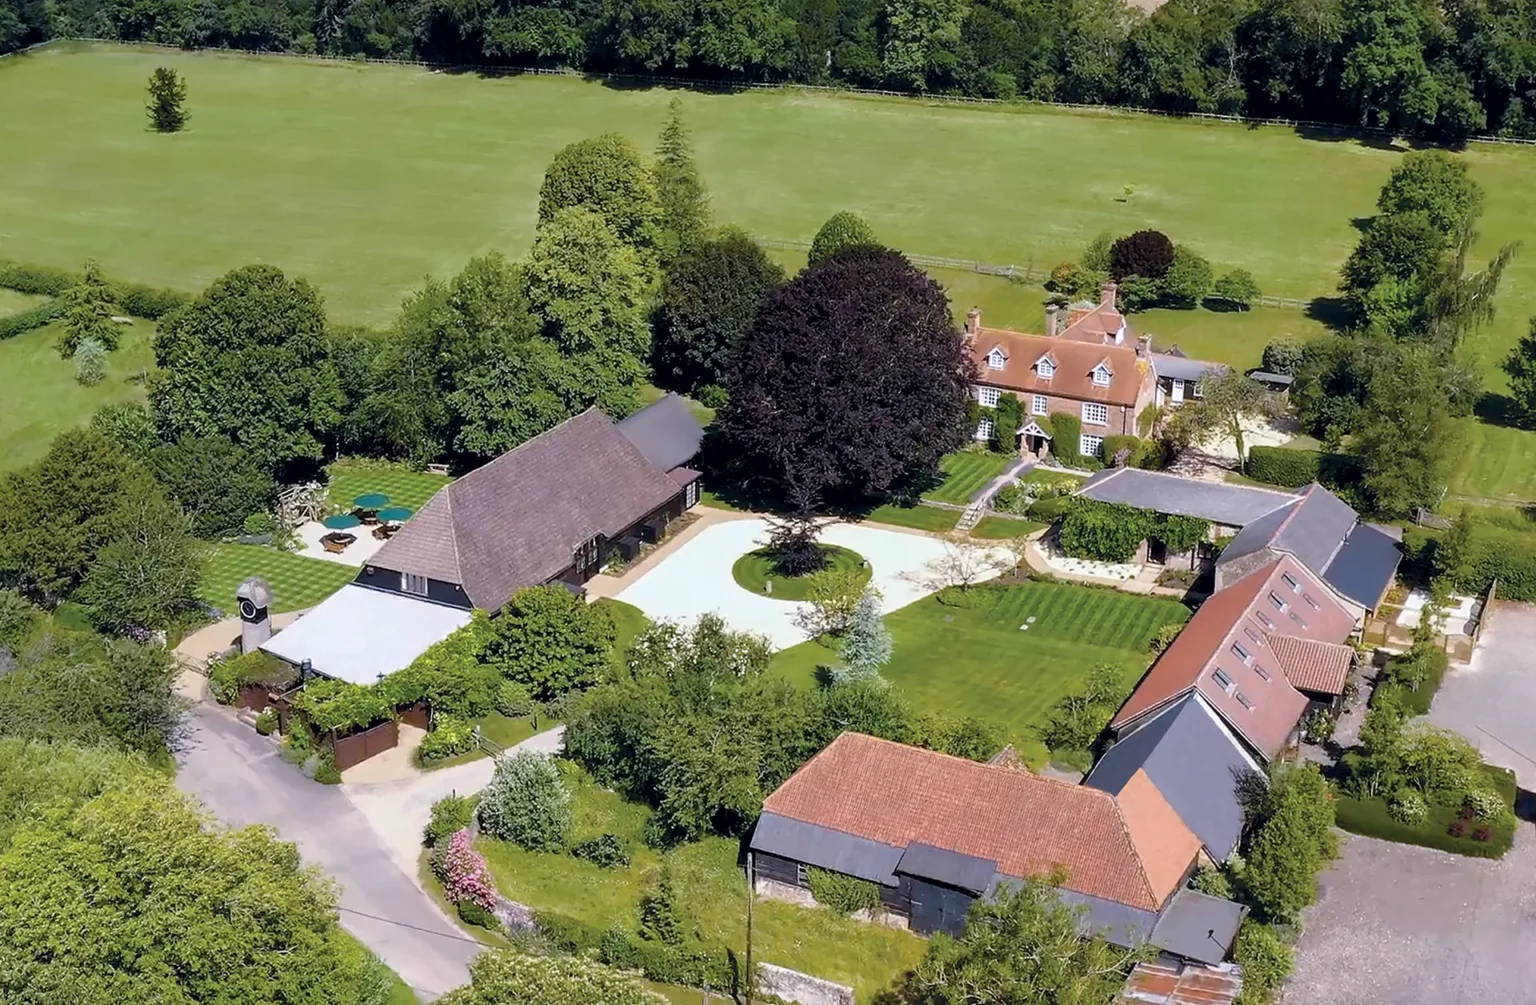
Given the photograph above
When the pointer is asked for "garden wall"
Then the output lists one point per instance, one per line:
(793, 986)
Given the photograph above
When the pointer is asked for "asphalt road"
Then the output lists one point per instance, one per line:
(241, 778)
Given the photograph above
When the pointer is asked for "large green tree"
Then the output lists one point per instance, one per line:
(1406, 436)
(1437, 184)
(607, 175)
(1023, 945)
(137, 898)
(218, 483)
(88, 311)
(58, 513)
(551, 641)
(247, 361)
(922, 40)
(149, 573)
(1227, 401)
(1290, 840)
(680, 191)
(709, 301)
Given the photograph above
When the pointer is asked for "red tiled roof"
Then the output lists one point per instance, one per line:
(1093, 325)
(1075, 362)
(1136, 854)
(1311, 665)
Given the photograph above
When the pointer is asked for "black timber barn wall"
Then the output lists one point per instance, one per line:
(896, 899)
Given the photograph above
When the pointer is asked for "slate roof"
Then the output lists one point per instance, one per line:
(1233, 505)
(1194, 762)
(1074, 366)
(1363, 568)
(665, 432)
(517, 520)
(1313, 529)
(1311, 665)
(1133, 851)
(1197, 926)
(1181, 367)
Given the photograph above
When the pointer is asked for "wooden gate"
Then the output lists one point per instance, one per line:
(353, 750)
(418, 715)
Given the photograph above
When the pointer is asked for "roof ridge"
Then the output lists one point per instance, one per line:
(453, 535)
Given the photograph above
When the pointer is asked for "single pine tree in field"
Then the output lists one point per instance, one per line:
(167, 100)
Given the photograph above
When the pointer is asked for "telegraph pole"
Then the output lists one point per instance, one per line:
(751, 895)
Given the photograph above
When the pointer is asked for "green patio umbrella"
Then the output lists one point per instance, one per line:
(371, 500)
(341, 521)
(396, 514)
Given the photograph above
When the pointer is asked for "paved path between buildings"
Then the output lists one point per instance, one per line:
(240, 777)
(398, 810)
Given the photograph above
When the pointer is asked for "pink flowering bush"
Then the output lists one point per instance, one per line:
(464, 874)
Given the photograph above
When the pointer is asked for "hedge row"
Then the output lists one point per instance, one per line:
(14, 324)
(1493, 552)
(1295, 468)
(702, 966)
(133, 298)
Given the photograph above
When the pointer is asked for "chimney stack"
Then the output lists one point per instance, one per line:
(1144, 347)
(973, 323)
(1107, 295)
(1052, 320)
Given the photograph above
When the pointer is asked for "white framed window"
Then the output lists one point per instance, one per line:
(995, 359)
(1046, 369)
(1289, 580)
(1197, 391)
(984, 429)
(1040, 406)
(1242, 699)
(987, 396)
(802, 877)
(1095, 414)
(691, 495)
(412, 583)
(1222, 680)
(1089, 446)
(1241, 653)
(1101, 375)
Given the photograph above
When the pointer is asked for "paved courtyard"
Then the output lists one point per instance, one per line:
(1401, 924)
(1490, 701)
(697, 579)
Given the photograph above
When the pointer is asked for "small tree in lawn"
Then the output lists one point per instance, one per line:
(867, 646)
(88, 310)
(526, 802)
(1227, 400)
(1237, 288)
(90, 363)
(832, 599)
(167, 101)
(792, 543)
(841, 231)
(551, 641)
(964, 563)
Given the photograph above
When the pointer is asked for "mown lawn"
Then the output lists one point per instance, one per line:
(711, 888)
(974, 658)
(297, 582)
(1003, 528)
(350, 479)
(754, 570)
(12, 302)
(327, 190)
(929, 518)
(965, 473)
(39, 396)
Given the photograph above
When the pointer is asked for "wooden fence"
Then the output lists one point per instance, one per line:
(353, 750)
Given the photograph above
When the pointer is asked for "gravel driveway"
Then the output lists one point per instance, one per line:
(697, 577)
(1400, 924)
(1490, 702)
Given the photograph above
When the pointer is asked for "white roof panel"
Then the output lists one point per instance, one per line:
(360, 634)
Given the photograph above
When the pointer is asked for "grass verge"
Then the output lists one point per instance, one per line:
(754, 571)
(929, 518)
(1004, 528)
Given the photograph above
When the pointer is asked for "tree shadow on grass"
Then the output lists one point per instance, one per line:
(1333, 313)
(1500, 410)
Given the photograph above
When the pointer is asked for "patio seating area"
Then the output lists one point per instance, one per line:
(351, 537)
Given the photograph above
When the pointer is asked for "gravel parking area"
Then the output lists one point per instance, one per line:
(1490, 701)
(1399, 924)
(697, 577)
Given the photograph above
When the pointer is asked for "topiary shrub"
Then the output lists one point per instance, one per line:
(527, 802)
(661, 916)
(472, 913)
(842, 893)
(1486, 804)
(1282, 356)
(266, 722)
(449, 737)
(841, 231)
(606, 851)
(449, 814)
(1131, 447)
(1295, 468)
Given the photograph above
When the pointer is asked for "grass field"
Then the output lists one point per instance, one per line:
(929, 518)
(753, 570)
(976, 660)
(965, 473)
(39, 396)
(1002, 528)
(711, 889)
(350, 479)
(365, 179)
(297, 582)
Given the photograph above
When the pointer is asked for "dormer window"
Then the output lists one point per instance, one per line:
(995, 359)
(1101, 375)
(1045, 368)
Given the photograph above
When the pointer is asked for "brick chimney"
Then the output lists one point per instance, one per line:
(1107, 295)
(1052, 320)
(1144, 347)
(972, 323)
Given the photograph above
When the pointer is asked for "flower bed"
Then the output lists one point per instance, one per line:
(1439, 825)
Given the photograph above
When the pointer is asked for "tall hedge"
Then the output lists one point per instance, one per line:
(136, 299)
(1066, 433)
(1295, 468)
(24, 321)
(1493, 552)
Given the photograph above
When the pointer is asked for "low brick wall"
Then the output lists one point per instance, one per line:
(803, 989)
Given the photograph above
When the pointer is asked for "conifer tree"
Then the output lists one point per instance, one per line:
(88, 312)
(867, 646)
(679, 188)
(167, 101)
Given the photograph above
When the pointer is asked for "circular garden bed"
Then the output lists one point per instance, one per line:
(754, 570)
